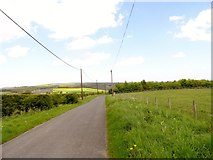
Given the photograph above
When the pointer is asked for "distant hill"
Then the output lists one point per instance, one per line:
(48, 87)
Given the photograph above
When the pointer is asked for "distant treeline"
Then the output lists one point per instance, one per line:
(143, 85)
(18, 103)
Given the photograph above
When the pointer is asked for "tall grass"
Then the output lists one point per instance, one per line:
(139, 131)
(15, 125)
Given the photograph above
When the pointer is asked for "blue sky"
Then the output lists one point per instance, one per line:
(164, 41)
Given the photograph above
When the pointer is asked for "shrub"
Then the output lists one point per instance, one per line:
(18, 103)
(10, 103)
(71, 98)
(38, 102)
(58, 99)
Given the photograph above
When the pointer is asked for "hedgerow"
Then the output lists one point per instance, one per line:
(19, 103)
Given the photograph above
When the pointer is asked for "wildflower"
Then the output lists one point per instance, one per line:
(131, 148)
(135, 145)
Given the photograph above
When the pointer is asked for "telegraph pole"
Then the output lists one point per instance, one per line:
(111, 82)
(81, 87)
(97, 86)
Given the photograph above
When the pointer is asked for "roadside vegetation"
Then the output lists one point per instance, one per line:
(20, 122)
(15, 104)
(137, 129)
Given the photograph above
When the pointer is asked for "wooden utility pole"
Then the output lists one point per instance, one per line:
(111, 82)
(81, 87)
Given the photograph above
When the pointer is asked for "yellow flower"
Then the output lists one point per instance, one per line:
(131, 148)
(135, 145)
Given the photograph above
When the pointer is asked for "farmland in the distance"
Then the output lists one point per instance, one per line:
(149, 130)
(76, 90)
(48, 88)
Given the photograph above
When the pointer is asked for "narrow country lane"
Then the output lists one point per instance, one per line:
(78, 133)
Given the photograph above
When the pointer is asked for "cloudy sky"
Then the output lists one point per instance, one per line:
(164, 41)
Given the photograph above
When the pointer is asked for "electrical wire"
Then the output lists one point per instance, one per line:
(87, 76)
(39, 42)
(119, 49)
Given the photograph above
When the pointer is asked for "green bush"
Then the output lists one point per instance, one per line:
(10, 103)
(38, 102)
(18, 103)
(58, 99)
(71, 98)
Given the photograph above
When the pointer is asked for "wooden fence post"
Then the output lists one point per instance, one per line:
(156, 102)
(147, 101)
(169, 103)
(195, 109)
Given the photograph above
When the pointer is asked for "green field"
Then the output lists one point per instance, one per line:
(76, 90)
(136, 129)
(15, 125)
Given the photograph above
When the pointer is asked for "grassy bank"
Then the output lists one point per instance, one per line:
(136, 129)
(15, 125)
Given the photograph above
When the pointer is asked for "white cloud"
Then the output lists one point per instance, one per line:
(2, 58)
(176, 18)
(197, 29)
(86, 59)
(81, 43)
(67, 19)
(104, 40)
(91, 59)
(129, 36)
(87, 42)
(17, 51)
(179, 55)
(130, 61)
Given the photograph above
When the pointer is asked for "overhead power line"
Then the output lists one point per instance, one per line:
(124, 33)
(39, 42)
(88, 76)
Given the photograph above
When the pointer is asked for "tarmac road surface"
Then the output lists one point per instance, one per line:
(78, 133)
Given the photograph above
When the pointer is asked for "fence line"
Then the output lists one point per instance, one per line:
(194, 106)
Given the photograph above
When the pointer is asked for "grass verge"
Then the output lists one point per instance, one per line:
(16, 125)
(136, 130)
